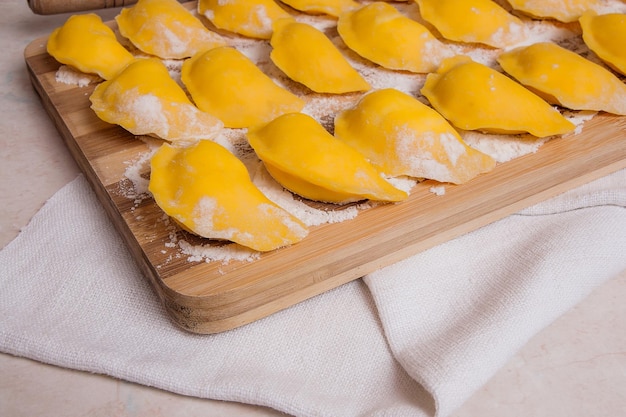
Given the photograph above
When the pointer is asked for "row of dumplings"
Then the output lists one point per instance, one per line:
(376, 31)
(205, 188)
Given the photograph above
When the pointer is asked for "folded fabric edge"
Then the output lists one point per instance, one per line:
(444, 407)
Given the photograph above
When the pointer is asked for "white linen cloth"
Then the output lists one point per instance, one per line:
(414, 339)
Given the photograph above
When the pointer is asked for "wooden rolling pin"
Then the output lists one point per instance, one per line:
(46, 7)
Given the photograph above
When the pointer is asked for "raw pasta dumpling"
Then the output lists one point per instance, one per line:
(329, 7)
(227, 84)
(473, 96)
(208, 191)
(166, 29)
(565, 78)
(561, 10)
(477, 21)
(307, 160)
(606, 36)
(251, 18)
(307, 56)
(145, 100)
(403, 136)
(379, 33)
(84, 42)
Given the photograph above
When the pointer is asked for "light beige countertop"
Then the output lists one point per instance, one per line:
(576, 367)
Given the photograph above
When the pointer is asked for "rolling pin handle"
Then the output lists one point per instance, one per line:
(47, 7)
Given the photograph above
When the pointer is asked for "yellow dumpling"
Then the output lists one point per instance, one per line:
(561, 10)
(473, 96)
(329, 7)
(251, 18)
(166, 29)
(227, 84)
(565, 78)
(307, 56)
(606, 36)
(304, 158)
(145, 100)
(403, 136)
(477, 21)
(87, 44)
(207, 190)
(380, 33)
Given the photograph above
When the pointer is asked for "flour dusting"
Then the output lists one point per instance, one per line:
(68, 75)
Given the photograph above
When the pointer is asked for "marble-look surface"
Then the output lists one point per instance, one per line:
(576, 367)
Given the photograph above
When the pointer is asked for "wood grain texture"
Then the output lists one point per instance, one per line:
(213, 297)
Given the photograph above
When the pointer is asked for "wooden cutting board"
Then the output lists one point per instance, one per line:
(213, 297)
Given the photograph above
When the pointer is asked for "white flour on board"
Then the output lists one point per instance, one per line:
(68, 75)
